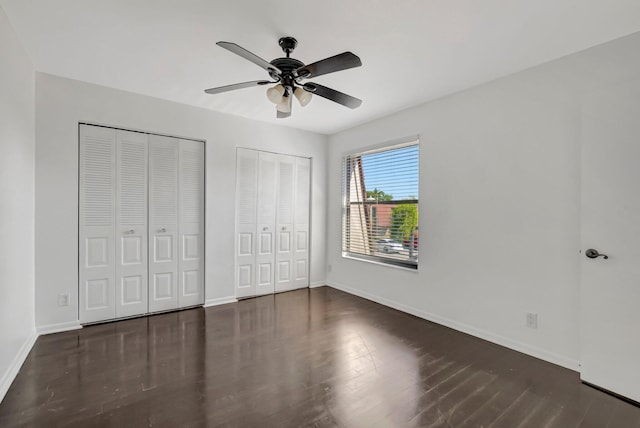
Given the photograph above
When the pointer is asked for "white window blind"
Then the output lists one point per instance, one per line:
(380, 205)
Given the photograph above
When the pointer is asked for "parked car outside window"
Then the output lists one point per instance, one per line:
(388, 246)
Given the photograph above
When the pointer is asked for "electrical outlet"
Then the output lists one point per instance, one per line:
(63, 299)
(532, 320)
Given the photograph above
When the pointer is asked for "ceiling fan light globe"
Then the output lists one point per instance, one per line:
(275, 94)
(303, 96)
(284, 106)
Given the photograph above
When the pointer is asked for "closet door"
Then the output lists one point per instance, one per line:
(302, 188)
(266, 223)
(163, 223)
(190, 223)
(97, 219)
(131, 224)
(246, 224)
(284, 223)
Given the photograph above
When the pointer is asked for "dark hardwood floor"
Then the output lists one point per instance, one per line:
(317, 358)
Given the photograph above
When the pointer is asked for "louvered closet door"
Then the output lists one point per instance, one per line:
(301, 222)
(190, 223)
(163, 223)
(266, 223)
(246, 203)
(131, 224)
(97, 219)
(284, 223)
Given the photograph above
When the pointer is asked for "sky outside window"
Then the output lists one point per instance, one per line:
(395, 172)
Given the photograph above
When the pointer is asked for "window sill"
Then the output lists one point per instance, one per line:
(407, 268)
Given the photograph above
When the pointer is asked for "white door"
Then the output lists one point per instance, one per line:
(284, 223)
(97, 219)
(301, 223)
(266, 223)
(246, 223)
(190, 223)
(610, 289)
(163, 223)
(131, 224)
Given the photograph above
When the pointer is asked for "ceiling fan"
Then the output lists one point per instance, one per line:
(288, 74)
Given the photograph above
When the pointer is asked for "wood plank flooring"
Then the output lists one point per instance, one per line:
(307, 358)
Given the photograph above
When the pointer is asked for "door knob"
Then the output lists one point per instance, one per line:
(594, 254)
(163, 230)
(130, 232)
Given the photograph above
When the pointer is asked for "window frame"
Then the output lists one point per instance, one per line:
(413, 140)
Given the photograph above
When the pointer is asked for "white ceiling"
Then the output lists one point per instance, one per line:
(412, 50)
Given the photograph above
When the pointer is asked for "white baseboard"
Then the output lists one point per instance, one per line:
(533, 351)
(220, 301)
(58, 328)
(12, 371)
(317, 284)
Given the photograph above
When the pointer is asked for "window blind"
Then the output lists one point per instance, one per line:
(380, 205)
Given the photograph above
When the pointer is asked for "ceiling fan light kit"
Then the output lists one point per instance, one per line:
(303, 96)
(287, 73)
(276, 94)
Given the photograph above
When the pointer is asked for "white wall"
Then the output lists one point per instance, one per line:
(62, 103)
(17, 85)
(500, 213)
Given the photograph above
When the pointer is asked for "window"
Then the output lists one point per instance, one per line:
(380, 204)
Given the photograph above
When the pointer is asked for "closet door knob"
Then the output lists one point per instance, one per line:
(284, 228)
(130, 232)
(264, 229)
(163, 230)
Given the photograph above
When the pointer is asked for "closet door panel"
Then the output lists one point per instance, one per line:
(131, 223)
(190, 223)
(266, 223)
(302, 187)
(284, 222)
(163, 223)
(246, 222)
(97, 223)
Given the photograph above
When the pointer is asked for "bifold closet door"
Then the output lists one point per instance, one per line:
(256, 196)
(284, 223)
(246, 223)
(141, 223)
(272, 222)
(302, 188)
(97, 223)
(113, 223)
(163, 223)
(190, 223)
(266, 223)
(131, 223)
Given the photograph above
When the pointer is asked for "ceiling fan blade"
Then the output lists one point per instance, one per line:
(282, 115)
(237, 86)
(239, 50)
(333, 95)
(332, 64)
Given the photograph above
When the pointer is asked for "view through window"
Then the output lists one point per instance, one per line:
(380, 208)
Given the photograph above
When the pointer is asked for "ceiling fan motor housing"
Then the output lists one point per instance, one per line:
(288, 66)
